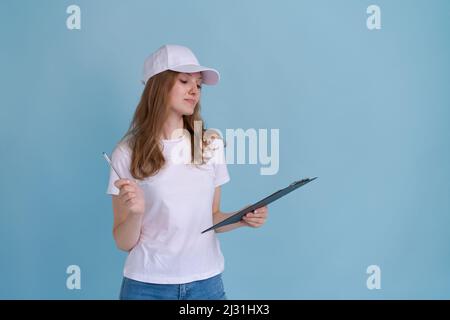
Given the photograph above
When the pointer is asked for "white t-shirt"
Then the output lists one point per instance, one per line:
(179, 198)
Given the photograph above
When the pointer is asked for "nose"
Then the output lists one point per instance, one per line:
(194, 90)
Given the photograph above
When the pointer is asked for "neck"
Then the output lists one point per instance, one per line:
(173, 122)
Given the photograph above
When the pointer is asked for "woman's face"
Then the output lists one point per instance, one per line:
(185, 93)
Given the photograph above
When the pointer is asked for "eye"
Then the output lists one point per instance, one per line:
(185, 81)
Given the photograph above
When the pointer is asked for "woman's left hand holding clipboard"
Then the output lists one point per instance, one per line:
(256, 218)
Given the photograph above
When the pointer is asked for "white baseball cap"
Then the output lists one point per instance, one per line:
(180, 59)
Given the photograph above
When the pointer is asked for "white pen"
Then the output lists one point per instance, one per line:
(110, 163)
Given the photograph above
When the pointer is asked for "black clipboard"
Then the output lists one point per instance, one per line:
(271, 198)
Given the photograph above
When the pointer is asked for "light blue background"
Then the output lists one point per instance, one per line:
(366, 111)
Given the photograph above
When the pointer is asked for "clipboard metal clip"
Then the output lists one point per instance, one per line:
(303, 181)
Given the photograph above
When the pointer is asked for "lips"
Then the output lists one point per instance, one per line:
(191, 101)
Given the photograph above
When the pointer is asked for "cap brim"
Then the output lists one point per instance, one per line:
(209, 76)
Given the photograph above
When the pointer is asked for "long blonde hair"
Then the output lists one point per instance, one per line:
(143, 135)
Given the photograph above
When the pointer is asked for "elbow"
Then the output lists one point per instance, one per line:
(123, 247)
(121, 244)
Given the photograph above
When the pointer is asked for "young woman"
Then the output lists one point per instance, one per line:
(172, 169)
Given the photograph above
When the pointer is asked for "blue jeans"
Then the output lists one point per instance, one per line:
(207, 289)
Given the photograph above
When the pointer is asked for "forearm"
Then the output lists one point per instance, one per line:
(220, 216)
(128, 232)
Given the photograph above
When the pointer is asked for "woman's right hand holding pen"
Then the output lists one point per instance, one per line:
(131, 196)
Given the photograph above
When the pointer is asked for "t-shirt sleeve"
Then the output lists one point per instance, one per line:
(121, 160)
(221, 175)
